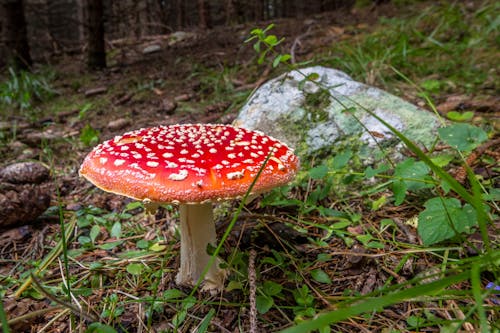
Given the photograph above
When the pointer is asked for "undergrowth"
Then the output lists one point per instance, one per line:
(338, 218)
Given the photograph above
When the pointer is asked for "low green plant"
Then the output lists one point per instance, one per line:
(442, 219)
(89, 136)
(23, 89)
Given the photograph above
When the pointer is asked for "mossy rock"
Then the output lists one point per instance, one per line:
(315, 117)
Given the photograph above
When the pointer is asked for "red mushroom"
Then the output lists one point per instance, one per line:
(191, 165)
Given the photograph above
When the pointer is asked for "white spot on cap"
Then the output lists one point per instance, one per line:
(167, 155)
(231, 155)
(103, 160)
(235, 175)
(152, 164)
(124, 147)
(213, 150)
(171, 165)
(184, 152)
(118, 162)
(178, 176)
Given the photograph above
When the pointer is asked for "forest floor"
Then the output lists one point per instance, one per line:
(121, 263)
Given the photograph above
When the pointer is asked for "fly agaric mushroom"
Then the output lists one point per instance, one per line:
(191, 165)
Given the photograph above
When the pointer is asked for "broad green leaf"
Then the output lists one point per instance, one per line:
(442, 160)
(99, 328)
(413, 174)
(285, 57)
(443, 218)
(320, 276)
(415, 321)
(172, 294)
(379, 203)
(399, 189)
(142, 244)
(116, 230)
(340, 225)
(94, 232)
(431, 85)
(271, 288)
(370, 172)
(341, 160)
(133, 205)
(109, 246)
(263, 303)
(276, 61)
(313, 76)
(318, 172)
(234, 285)
(157, 247)
(89, 136)
(460, 116)
(463, 137)
(135, 268)
(271, 40)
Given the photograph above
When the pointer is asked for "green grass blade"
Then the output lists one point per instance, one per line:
(3, 319)
(53, 254)
(376, 304)
(475, 279)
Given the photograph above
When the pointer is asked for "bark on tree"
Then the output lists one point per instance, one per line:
(179, 12)
(204, 14)
(13, 27)
(259, 10)
(96, 53)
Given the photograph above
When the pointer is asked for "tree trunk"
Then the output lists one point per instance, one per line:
(13, 26)
(179, 12)
(204, 14)
(231, 17)
(96, 50)
(259, 10)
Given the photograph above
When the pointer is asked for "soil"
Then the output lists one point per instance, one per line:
(142, 90)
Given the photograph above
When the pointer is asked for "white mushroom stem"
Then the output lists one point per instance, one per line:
(197, 231)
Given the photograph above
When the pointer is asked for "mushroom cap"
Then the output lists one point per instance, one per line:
(189, 163)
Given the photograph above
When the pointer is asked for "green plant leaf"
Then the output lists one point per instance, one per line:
(463, 137)
(89, 136)
(109, 246)
(271, 288)
(460, 116)
(116, 230)
(374, 304)
(320, 276)
(263, 303)
(318, 172)
(399, 190)
(172, 294)
(94, 232)
(100, 328)
(431, 85)
(135, 268)
(413, 174)
(341, 159)
(271, 40)
(443, 218)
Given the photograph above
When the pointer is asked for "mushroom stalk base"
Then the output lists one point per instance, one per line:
(197, 231)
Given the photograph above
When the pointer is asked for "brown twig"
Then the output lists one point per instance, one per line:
(253, 291)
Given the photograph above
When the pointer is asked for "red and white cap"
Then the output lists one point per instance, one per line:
(189, 163)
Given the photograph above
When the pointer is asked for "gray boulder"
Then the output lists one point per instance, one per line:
(320, 122)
